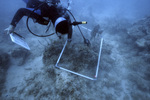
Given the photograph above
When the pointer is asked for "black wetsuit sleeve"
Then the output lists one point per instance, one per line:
(70, 32)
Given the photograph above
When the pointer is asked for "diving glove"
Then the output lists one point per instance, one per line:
(69, 40)
(10, 29)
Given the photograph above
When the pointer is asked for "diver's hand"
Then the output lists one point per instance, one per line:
(69, 40)
(10, 29)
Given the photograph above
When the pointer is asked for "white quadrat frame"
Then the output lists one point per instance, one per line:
(87, 77)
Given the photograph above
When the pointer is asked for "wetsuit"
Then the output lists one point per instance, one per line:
(52, 12)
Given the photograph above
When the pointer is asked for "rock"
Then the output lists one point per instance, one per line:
(96, 30)
(4, 61)
(140, 31)
(4, 65)
(13, 89)
(51, 54)
(21, 55)
(141, 42)
(135, 32)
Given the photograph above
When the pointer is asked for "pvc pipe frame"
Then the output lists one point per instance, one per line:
(87, 77)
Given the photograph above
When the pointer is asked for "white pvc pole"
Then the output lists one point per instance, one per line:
(98, 63)
(99, 57)
(62, 52)
(75, 73)
(86, 28)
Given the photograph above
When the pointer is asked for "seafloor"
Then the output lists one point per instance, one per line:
(124, 72)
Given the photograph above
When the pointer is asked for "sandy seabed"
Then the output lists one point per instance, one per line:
(123, 74)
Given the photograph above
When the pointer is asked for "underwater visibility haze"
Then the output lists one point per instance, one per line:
(124, 66)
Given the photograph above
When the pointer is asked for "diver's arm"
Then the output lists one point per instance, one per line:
(70, 33)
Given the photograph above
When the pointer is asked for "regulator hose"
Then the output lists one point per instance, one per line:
(27, 23)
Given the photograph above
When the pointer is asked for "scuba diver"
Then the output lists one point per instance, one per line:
(40, 10)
